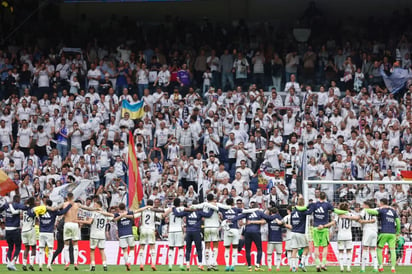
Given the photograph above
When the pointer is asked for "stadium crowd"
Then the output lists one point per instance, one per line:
(245, 123)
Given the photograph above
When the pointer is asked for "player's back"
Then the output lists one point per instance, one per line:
(176, 223)
(287, 220)
(98, 227)
(148, 220)
(369, 227)
(71, 215)
(28, 221)
(213, 221)
(344, 227)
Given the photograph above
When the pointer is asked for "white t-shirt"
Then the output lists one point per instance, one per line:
(344, 227)
(98, 226)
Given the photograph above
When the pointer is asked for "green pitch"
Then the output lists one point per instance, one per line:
(58, 269)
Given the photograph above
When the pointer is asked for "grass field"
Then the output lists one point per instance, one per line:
(58, 269)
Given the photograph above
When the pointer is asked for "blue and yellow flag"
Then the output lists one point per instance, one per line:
(135, 111)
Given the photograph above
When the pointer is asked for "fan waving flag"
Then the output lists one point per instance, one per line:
(6, 184)
(406, 175)
(136, 111)
(135, 182)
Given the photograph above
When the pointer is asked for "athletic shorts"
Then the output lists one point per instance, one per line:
(176, 239)
(99, 243)
(71, 231)
(320, 237)
(345, 244)
(46, 238)
(274, 246)
(298, 240)
(147, 237)
(212, 234)
(369, 238)
(29, 237)
(287, 245)
(231, 237)
(127, 241)
(384, 238)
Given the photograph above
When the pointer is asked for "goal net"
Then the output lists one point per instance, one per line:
(354, 193)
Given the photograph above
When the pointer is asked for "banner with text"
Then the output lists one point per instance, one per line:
(115, 257)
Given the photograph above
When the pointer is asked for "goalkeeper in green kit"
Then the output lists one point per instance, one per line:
(390, 229)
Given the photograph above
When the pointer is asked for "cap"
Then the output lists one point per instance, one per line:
(230, 116)
(253, 200)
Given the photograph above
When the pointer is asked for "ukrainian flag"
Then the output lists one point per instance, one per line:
(135, 111)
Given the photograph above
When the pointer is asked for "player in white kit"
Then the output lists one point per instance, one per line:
(98, 223)
(343, 224)
(28, 235)
(211, 233)
(288, 225)
(148, 233)
(176, 237)
(369, 237)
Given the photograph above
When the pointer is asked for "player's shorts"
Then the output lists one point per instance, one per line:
(384, 238)
(147, 237)
(99, 243)
(29, 237)
(274, 246)
(212, 234)
(320, 237)
(370, 239)
(71, 231)
(231, 237)
(46, 238)
(126, 241)
(345, 244)
(176, 239)
(298, 240)
(287, 245)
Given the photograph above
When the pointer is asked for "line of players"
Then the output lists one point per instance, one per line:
(208, 215)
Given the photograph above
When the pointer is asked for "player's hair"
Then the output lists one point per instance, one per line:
(31, 202)
(301, 202)
(289, 207)
(122, 206)
(384, 201)
(99, 203)
(195, 202)
(49, 203)
(149, 202)
(343, 206)
(176, 202)
(16, 198)
(322, 195)
(273, 210)
(70, 196)
(210, 197)
(229, 201)
(368, 203)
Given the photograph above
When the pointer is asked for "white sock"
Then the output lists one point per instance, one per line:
(171, 256)
(349, 258)
(41, 256)
(213, 256)
(104, 263)
(50, 256)
(341, 259)
(278, 258)
(270, 262)
(374, 258)
(234, 256)
(207, 256)
(125, 257)
(303, 261)
(75, 253)
(24, 261)
(93, 263)
(180, 257)
(131, 256)
(153, 256)
(365, 256)
(32, 257)
(294, 262)
(141, 256)
(289, 256)
(227, 255)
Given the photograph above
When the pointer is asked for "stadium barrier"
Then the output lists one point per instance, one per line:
(115, 257)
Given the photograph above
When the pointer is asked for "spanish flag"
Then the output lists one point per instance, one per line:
(135, 111)
(135, 182)
(6, 184)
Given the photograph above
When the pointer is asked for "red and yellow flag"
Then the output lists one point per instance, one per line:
(6, 184)
(406, 175)
(135, 182)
